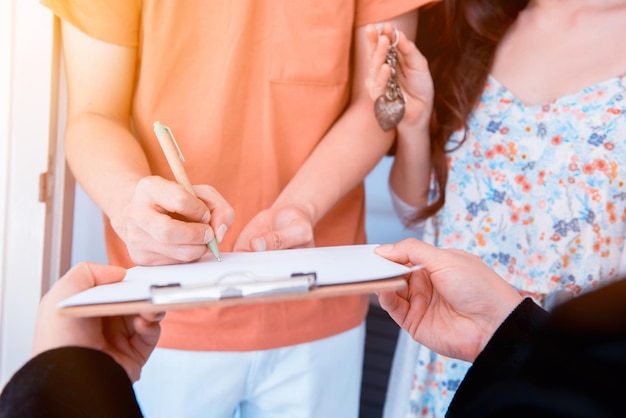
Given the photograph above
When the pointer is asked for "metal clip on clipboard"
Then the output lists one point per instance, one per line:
(227, 288)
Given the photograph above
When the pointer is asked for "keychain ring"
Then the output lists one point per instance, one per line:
(396, 35)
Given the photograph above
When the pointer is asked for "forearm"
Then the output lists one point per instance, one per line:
(103, 154)
(347, 153)
(352, 147)
(410, 173)
(106, 160)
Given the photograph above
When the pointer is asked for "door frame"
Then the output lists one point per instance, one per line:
(37, 195)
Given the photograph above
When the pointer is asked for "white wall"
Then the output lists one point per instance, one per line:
(28, 154)
(382, 224)
(88, 234)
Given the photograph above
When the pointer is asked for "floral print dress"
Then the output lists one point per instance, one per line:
(539, 193)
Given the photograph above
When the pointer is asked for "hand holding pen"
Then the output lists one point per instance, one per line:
(165, 224)
(177, 229)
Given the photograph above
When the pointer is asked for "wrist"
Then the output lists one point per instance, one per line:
(301, 205)
(419, 125)
(117, 209)
(413, 147)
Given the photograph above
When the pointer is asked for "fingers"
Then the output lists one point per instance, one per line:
(407, 306)
(409, 55)
(81, 277)
(413, 75)
(167, 244)
(379, 71)
(152, 316)
(222, 215)
(450, 268)
(277, 228)
(410, 59)
(394, 252)
(148, 327)
(52, 329)
(163, 254)
(168, 213)
(281, 240)
(170, 197)
(166, 224)
(163, 240)
(392, 302)
(390, 32)
(131, 339)
(165, 229)
(412, 251)
(102, 273)
(296, 235)
(371, 34)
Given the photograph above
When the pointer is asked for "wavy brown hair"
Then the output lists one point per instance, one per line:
(459, 40)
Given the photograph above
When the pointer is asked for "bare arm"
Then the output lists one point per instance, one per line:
(410, 173)
(98, 139)
(111, 166)
(346, 154)
(354, 144)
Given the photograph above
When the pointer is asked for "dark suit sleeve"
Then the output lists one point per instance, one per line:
(570, 363)
(69, 382)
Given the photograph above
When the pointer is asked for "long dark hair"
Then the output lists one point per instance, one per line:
(459, 39)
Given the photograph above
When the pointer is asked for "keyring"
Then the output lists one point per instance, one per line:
(389, 106)
(396, 35)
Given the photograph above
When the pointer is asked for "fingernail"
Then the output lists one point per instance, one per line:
(258, 244)
(206, 217)
(221, 231)
(384, 248)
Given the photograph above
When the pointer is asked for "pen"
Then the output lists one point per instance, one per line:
(175, 160)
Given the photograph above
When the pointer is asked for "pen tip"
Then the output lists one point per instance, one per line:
(219, 258)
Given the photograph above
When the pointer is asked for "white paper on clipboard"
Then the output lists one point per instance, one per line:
(330, 266)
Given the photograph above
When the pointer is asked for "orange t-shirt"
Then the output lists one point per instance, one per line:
(249, 88)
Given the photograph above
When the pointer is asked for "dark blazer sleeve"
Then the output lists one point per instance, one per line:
(570, 363)
(69, 382)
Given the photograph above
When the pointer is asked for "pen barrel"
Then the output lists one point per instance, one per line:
(175, 160)
(181, 177)
(173, 156)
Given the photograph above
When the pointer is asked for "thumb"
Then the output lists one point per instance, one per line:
(83, 276)
(105, 274)
(267, 242)
(291, 237)
(409, 251)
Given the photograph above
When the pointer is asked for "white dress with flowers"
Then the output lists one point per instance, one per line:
(539, 193)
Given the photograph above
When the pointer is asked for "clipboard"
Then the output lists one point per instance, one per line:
(243, 278)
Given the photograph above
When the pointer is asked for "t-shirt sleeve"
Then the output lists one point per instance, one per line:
(372, 11)
(113, 21)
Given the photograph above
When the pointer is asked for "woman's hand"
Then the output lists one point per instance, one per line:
(412, 73)
(453, 304)
(128, 339)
